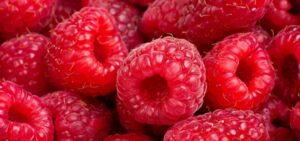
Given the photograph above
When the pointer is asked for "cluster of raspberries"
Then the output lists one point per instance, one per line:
(149, 70)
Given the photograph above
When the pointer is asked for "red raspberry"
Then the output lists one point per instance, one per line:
(276, 115)
(21, 62)
(162, 82)
(295, 119)
(220, 125)
(77, 118)
(239, 73)
(128, 137)
(23, 116)
(285, 53)
(281, 13)
(127, 18)
(141, 2)
(201, 22)
(86, 53)
(262, 36)
(19, 16)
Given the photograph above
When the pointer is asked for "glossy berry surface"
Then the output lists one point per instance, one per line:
(77, 118)
(21, 61)
(23, 116)
(86, 52)
(239, 73)
(162, 82)
(223, 125)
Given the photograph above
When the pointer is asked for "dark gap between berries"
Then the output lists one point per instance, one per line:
(294, 7)
(290, 69)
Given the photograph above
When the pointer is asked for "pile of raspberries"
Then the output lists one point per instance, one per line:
(149, 70)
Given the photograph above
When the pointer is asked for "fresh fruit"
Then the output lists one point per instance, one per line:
(141, 2)
(128, 137)
(126, 16)
(23, 116)
(295, 119)
(285, 54)
(201, 22)
(21, 61)
(220, 125)
(86, 52)
(239, 73)
(20, 16)
(162, 82)
(77, 118)
(281, 13)
(276, 115)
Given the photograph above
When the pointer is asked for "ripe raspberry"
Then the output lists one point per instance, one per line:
(162, 82)
(126, 16)
(21, 62)
(281, 13)
(276, 116)
(262, 36)
(201, 22)
(220, 125)
(285, 53)
(77, 118)
(63, 10)
(23, 116)
(295, 119)
(141, 2)
(239, 73)
(18, 17)
(128, 137)
(86, 53)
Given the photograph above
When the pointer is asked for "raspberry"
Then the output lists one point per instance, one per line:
(18, 17)
(128, 137)
(281, 13)
(220, 125)
(86, 53)
(77, 118)
(141, 2)
(21, 62)
(262, 36)
(295, 119)
(276, 116)
(239, 73)
(162, 82)
(201, 22)
(126, 16)
(23, 116)
(285, 53)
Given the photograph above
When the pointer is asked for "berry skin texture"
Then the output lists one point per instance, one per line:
(77, 118)
(21, 62)
(201, 22)
(239, 73)
(128, 137)
(162, 82)
(276, 115)
(285, 54)
(18, 17)
(281, 13)
(126, 17)
(295, 119)
(86, 53)
(220, 125)
(23, 116)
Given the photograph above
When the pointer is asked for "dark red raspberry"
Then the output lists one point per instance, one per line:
(63, 10)
(18, 17)
(127, 18)
(281, 13)
(220, 125)
(141, 2)
(201, 22)
(239, 73)
(21, 62)
(128, 137)
(162, 82)
(295, 119)
(276, 115)
(86, 53)
(77, 118)
(285, 53)
(23, 116)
